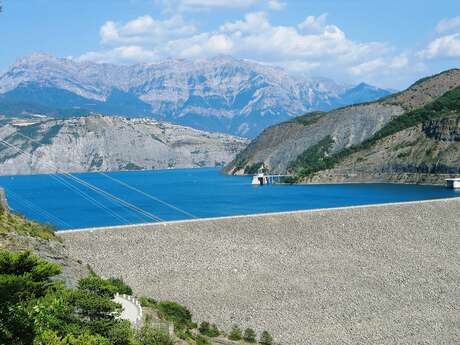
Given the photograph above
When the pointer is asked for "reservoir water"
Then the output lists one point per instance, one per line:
(203, 193)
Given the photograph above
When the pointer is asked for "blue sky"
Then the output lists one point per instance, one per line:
(387, 43)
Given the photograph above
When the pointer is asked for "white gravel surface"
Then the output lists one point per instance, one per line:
(365, 275)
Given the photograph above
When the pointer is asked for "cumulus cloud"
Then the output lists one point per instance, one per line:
(313, 24)
(447, 43)
(312, 46)
(447, 46)
(276, 5)
(448, 24)
(145, 29)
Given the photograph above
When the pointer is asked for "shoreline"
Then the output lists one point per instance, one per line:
(254, 215)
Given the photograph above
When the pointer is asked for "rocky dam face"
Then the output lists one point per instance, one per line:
(384, 274)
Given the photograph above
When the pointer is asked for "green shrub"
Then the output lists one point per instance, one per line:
(249, 335)
(120, 286)
(148, 335)
(10, 222)
(235, 333)
(209, 330)
(313, 159)
(178, 314)
(266, 338)
(253, 169)
(97, 285)
(148, 302)
(200, 340)
(104, 287)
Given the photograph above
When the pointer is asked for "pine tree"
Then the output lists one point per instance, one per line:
(235, 333)
(266, 338)
(249, 335)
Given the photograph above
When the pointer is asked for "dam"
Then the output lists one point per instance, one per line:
(384, 274)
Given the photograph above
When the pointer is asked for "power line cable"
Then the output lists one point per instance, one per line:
(150, 196)
(92, 187)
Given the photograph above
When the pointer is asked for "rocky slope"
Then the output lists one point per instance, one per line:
(20, 234)
(279, 146)
(221, 94)
(426, 153)
(102, 143)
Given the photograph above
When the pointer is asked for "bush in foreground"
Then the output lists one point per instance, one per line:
(235, 333)
(249, 335)
(266, 338)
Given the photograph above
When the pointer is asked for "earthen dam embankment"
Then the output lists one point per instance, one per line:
(386, 274)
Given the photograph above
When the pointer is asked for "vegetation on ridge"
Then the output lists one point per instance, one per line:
(10, 222)
(317, 158)
(37, 309)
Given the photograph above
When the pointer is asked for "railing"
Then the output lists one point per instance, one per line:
(136, 303)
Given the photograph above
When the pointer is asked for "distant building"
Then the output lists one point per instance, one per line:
(453, 183)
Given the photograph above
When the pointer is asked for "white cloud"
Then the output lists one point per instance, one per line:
(376, 65)
(313, 46)
(276, 5)
(313, 24)
(252, 23)
(145, 29)
(443, 47)
(448, 24)
(216, 3)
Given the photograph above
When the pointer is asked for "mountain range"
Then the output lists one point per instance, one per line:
(222, 94)
(410, 136)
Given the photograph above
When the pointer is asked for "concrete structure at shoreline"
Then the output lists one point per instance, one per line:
(385, 274)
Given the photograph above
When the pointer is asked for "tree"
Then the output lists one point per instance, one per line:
(249, 335)
(235, 333)
(204, 327)
(120, 286)
(266, 338)
(23, 278)
(209, 330)
(52, 338)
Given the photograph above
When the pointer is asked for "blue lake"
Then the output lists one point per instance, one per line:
(61, 201)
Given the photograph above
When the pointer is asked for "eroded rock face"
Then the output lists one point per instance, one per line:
(446, 130)
(425, 153)
(103, 143)
(281, 144)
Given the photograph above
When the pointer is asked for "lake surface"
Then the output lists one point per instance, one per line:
(202, 193)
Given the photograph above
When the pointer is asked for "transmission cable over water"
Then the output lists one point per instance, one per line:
(90, 186)
(35, 208)
(188, 214)
(90, 198)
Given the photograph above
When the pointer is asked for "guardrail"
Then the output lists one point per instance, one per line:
(137, 322)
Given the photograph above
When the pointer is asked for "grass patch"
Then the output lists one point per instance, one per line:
(13, 223)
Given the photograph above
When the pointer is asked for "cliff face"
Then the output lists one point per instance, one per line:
(100, 143)
(278, 146)
(426, 153)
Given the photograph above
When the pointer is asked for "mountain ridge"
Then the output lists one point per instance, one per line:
(281, 145)
(224, 94)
